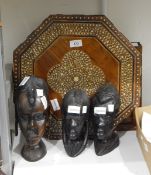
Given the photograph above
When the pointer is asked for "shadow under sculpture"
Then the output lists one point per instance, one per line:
(105, 106)
(32, 110)
(75, 109)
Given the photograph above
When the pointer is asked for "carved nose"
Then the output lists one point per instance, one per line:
(30, 124)
(101, 124)
(73, 123)
(32, 132)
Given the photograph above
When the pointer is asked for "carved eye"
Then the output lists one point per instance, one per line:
(24, 117)
(39, 116)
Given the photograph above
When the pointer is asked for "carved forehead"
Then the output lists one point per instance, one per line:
(105, 94)
(76, 97)
(23, 103)
(107, 91)
(25, 106)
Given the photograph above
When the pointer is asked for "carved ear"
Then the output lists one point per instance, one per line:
(63, 133)
(16, 121)
(86, 133)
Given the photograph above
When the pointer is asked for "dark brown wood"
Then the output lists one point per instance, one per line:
(130, 122)
(108, 51)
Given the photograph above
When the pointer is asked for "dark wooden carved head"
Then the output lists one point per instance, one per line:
(105, 106)
(75, 109)
(32, 109)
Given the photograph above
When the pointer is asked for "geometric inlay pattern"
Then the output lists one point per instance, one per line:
(75, 71)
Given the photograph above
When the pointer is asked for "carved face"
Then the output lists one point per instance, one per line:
(75, 108)
(103, 125)
(104, 120)
(32, 120)
(106, 104)
(74, 125)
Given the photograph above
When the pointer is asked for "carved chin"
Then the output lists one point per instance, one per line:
(74, 147)
(105, 146)
(75, 143)
(33, 141)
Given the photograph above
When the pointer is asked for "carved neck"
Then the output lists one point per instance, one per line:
(34, 153)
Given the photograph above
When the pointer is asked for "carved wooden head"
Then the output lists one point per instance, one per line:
(32, 105)
(75, 109)
(105, 105)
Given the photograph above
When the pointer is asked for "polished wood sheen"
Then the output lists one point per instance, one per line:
(47, 49)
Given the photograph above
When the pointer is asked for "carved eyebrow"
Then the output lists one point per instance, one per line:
(23, 116)
(75, 116)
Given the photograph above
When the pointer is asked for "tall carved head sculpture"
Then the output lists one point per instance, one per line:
(75, 110)
(32, 110)
(105, 106)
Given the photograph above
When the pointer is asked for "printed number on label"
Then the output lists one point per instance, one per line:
(99, 110)
(74, 109)
(55, 104)
(76, 43)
